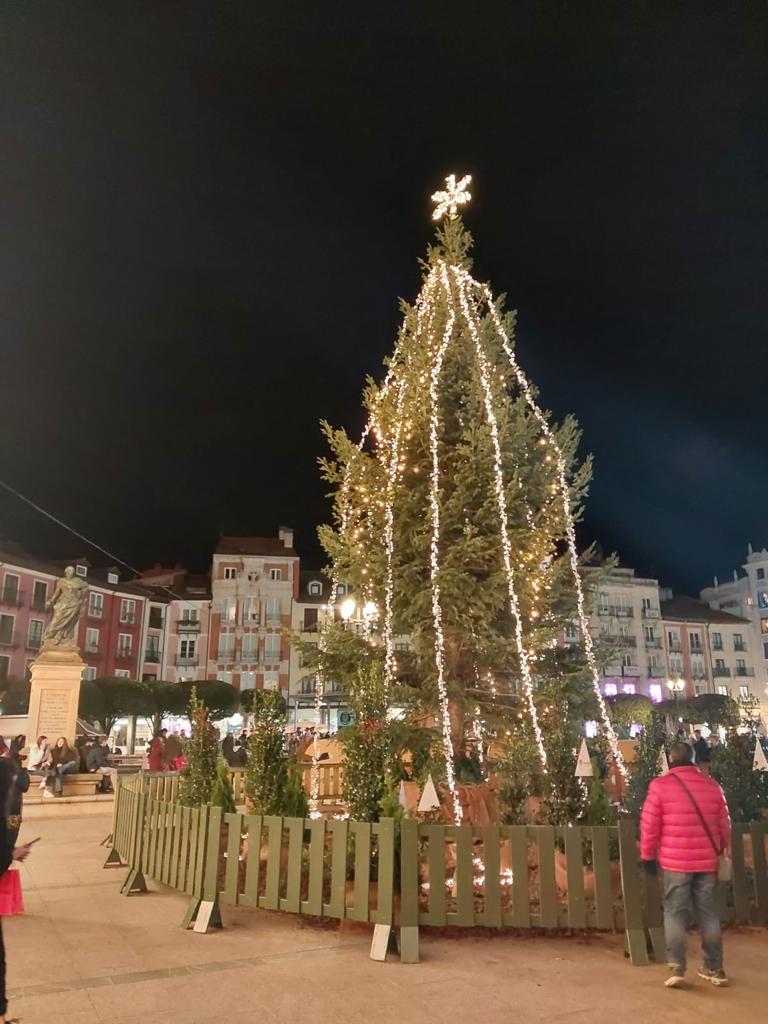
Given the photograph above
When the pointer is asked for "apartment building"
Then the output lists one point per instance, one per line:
(309, 610)
(626, 626)
(254, 582)
(712, 651)
(113, 630)
(746, 595)
(181, 650)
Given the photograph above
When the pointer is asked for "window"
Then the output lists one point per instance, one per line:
(229, 611)
(39, 595)
(762, 599)
(650, 636)
(646, 604)
(743, 691)
(765, 650)
(113, 578)
(341, 589)
(34, 634)
(626, 660)
(95, 605)
(247, 680)
(315, 588)
(273, 612)
(676, 666)
(250, 611)
(81, 570)
(623, 629)
(741, 667)
(226, 647)
(272, 647)
(250, 647)
(307, 685)
(723, 690)
(187, 650)
(694, 639)
(124, 645)
(11, 593)
(189, 615)
(697, 689)
(673, 639)
(764, 625)
(629, 688)
(6, 629)
(719, 663)
(610, 689)
(91, 640)
(655, 691)
(271, 680)
(89, 672)
(122, 673)
(155, 618)
(310, 620)
(761, 574)
(224, 677)
(127, 611)
(230, 572)
(738, 642)
(275, 574)
(717, 641)
(152, 653)
(697, 668)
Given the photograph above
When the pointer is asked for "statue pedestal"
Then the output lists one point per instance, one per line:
(54, 694)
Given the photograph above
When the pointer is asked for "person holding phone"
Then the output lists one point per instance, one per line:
(8, 854)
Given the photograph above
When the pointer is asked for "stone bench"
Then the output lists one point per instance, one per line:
(75, 784)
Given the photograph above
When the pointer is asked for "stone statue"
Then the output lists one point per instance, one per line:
(67, 605)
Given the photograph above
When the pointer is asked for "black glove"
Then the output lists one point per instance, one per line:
(649, 866)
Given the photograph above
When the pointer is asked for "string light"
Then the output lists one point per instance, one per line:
(434, 562)
(570, 528)
(501, 502)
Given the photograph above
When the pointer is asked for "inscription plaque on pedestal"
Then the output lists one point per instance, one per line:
(54, 695)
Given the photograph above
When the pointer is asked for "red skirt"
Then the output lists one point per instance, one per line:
(11, 901)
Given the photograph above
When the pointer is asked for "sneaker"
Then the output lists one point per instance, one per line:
(676, 977)
(717, 978)
(47, 794)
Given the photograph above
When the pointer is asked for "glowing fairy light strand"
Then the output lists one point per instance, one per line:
(434, 560)
(501, 502)
(423, 308)
(570, 529)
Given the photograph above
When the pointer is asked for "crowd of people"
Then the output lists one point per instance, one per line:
(166, 750)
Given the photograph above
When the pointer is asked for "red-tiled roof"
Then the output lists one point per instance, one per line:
(253, 546)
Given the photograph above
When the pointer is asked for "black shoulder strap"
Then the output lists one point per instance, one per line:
(698, 811)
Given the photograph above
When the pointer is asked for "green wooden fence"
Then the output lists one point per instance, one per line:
(498, 876)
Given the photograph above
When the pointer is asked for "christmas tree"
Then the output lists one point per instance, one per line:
(454, 514)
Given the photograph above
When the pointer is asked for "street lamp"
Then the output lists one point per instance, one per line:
(676, 685)
(347, 608)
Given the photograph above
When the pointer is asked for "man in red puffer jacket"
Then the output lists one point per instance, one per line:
(672, 831)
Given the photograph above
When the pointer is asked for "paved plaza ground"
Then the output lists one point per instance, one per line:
(84, 951)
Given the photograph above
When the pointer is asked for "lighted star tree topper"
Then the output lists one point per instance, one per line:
(454, 513)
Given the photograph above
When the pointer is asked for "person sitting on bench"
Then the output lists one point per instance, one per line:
(64, 761)
(39, 759)
(97, 761)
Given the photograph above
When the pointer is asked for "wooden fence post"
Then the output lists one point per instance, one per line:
(207, 913)
(135, 882)
(409, 891)
(113, 857)
(633, 900)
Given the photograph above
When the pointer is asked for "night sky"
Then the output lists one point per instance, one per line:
(208, 212)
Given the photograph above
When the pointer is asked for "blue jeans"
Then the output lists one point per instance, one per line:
(59, 772)
(684, 893)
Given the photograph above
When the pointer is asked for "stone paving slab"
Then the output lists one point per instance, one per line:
(82, 949)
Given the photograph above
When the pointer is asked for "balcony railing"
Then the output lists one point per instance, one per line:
(739, 645)
(226, 656)
(248, 657)
(11, 595)
(124, 654)
(743, 670)
(310, 627)
(91, 648)
(187, 661)
(622, 611)
(717, 645)
(270, 657)
(621, 639)
(274, 620)
(697, 649)
(650, 613)
(128, 619)
(675, 645)
(152, 657)
(630, 670)
(188, 626)
(603, 609)
(721, 672)
(653, 641)
(656, 671)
